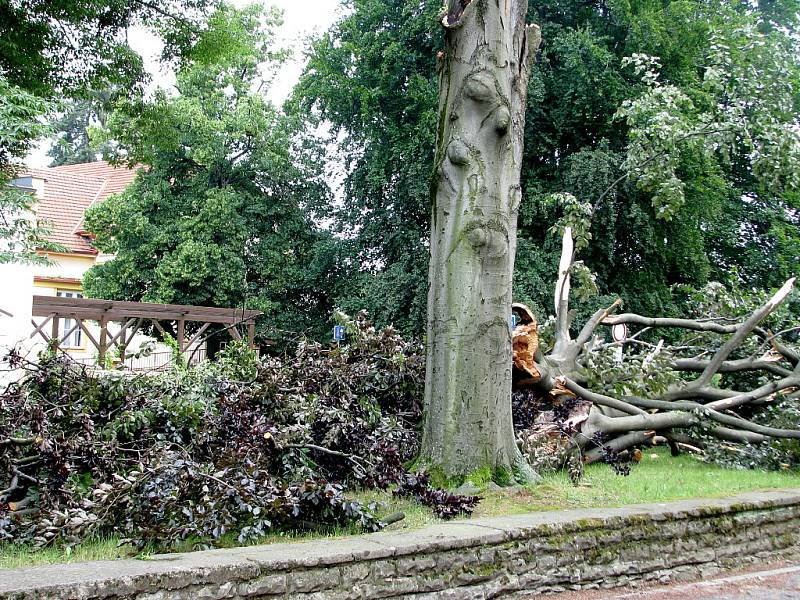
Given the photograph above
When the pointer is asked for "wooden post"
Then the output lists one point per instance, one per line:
(182, 336)
(54, 331)
(122, 344)
(251, 335)
(103, 346)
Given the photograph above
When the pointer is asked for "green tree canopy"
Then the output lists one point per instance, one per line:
(64, 49)
(214, 216)
(21, 124)
(67, 46)
(372, 76)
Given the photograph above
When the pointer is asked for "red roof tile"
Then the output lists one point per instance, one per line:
(69, 191)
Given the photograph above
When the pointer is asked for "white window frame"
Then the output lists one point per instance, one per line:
(75, 339)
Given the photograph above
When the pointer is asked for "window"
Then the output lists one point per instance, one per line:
(65, 325)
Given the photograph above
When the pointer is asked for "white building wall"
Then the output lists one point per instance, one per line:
(16, 285)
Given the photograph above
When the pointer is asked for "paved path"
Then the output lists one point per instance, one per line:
(766, 582)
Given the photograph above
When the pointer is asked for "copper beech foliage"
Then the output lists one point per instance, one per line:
(230, 450)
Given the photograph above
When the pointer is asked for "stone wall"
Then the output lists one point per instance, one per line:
(508, 557)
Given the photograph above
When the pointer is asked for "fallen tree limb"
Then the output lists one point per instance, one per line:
(701, 410)
(664, 322)
(17, 441)
(744, 330)
(601, 399)
(631, 420)
(635, 438)
(733, 366)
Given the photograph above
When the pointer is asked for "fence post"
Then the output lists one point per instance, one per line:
(181, 336)
(101, 351)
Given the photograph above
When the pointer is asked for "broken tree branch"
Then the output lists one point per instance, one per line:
(743, 331)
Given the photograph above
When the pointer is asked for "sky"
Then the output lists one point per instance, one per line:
(301, 18)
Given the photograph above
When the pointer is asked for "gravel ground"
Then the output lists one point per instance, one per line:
(777, 581)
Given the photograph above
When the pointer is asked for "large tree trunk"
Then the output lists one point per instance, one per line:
(476, 193)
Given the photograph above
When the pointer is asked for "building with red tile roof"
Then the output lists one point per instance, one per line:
(64, 193)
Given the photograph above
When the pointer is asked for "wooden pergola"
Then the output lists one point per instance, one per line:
(131, 316)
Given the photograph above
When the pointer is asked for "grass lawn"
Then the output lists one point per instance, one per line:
(658, 478)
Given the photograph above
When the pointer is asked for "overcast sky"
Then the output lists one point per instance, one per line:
(302, 18)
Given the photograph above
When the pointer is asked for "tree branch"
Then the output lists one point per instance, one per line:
(623, 442)
(561, 300)
(600, 399)
(691, 324)
(743, 331)
(756, 394)
(717, 416)
(732, 366)
(589, 329)
(157, 9)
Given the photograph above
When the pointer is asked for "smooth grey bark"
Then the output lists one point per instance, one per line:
(483, 74)
(626, 421)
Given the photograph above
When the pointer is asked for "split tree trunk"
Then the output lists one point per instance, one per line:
(476, 193)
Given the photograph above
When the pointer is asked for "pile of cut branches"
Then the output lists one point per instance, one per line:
(233, 449)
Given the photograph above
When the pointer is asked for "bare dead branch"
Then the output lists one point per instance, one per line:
(600, 399)
(589, 328)
(690, 324)
(744, 330)
(635, 438)
(17, 442)
(702, 410)
(561, 300)
(733, 366)
(25, 476)
(739, 437)
(354, 459)
(762, 392)
(14, 486)
(708, 394)
(640, 422)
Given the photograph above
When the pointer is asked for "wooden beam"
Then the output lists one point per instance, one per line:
(159, 327)
(197, 335)
(103, 345)
(69, 333)
(54, 329)
(39, 327)
(122, 344)
(133, 333)
(87, 309)
(88, 333)
(190, 313)
(121, 334)
(90, 314)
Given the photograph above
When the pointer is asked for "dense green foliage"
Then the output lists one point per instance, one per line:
(372, 78)
(21, 115)
(214, 217)
(61, 50)
(592, 129)
(67, 46)
(72, 144)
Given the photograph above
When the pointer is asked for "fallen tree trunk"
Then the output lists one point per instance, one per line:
(614, 424)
